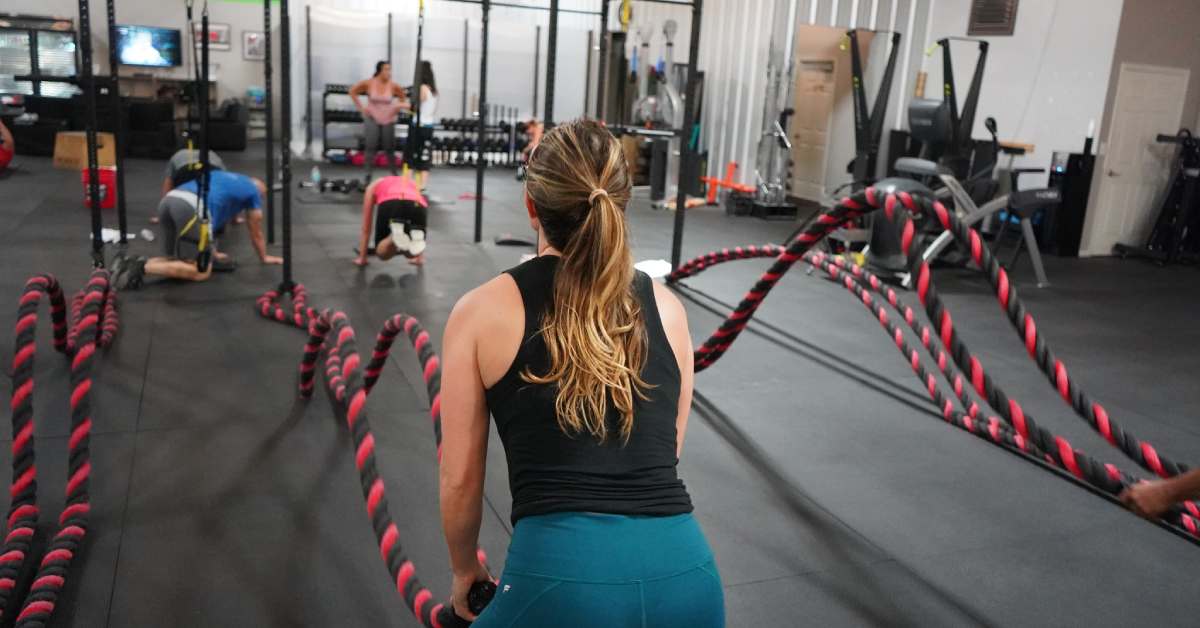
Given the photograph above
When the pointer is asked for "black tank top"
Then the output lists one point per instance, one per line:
(550, 471)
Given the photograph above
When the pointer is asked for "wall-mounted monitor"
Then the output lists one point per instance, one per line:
(149, 46)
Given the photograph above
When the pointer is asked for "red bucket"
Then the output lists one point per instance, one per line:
(108, 187)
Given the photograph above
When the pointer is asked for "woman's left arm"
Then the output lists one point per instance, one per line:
(464, 442)
(675, 324)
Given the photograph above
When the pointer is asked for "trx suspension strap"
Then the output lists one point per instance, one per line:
(204, 252)
(414, 142)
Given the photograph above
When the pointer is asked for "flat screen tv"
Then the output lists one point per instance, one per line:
(149, 46)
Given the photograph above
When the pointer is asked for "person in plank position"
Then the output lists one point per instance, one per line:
(399, 213)
(180, 227)
(184, 166)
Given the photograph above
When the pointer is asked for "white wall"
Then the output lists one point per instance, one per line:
(232, 73)
(1045, 83)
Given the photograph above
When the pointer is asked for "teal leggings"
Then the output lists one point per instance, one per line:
(587, 570)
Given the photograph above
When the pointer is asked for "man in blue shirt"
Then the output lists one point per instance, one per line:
(179, 225)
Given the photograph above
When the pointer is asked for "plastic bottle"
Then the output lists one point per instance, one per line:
(315, 177)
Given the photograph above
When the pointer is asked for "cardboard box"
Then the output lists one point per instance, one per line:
(70, 150)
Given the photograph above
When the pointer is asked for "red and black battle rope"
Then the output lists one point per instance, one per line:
(1022, 321)
(1097, 417)
(269, 306)
(717, 344)
(349, 383)
(1012, 411)
(93, 325)
(1037, 442)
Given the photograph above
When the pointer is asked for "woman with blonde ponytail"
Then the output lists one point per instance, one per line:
(586, 366)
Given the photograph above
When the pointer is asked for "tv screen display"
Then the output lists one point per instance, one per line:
(149, 46)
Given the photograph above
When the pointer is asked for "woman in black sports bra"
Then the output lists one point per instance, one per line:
(586, 366)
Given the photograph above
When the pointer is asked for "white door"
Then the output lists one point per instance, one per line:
(810, 127)
(1135, 168)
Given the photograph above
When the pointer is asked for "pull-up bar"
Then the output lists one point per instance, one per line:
(510, 5)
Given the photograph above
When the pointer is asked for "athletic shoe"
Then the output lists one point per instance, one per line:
(400, 237)
(128, 273)
(418, 243)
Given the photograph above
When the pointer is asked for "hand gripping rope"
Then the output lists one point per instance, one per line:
(1058, 451)
(93, 325)
(349, 384)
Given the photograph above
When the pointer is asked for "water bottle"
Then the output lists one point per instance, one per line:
(315, 177)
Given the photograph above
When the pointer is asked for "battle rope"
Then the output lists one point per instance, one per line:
(349, 384)
(93, 325)
(1011, 412)
(1055, 449)
(1141, 452)
(1097, 417)
(1037, 442)
(721, 339)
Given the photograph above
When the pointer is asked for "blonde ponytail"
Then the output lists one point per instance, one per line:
(593, 329)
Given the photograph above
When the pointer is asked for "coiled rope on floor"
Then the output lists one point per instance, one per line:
(93, 325)
(899, 209)
(349, 382)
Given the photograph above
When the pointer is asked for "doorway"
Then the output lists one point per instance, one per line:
(822, 130)
(1136, 168)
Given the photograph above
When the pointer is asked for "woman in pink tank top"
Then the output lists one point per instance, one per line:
(385, 100)
(397, 211)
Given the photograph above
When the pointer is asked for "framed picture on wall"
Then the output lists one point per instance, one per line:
(254, 46)
(218, 36)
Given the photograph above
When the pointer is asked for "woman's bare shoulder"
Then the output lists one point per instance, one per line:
(493, 299)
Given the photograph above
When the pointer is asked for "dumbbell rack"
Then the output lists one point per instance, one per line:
(455, 141)
(340, 115)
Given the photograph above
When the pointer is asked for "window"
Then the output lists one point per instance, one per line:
(992, 17)
(37, 61)
(56, 53)
(16, 57)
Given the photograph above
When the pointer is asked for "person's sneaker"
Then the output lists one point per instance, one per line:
(127, 273)
(418, 243)
(400, 237)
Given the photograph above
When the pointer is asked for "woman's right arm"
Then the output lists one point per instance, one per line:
(464, 445)
(358, 89)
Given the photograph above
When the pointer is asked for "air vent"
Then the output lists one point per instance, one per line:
(992, 17)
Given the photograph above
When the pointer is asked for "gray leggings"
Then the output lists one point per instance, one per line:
(375, 134)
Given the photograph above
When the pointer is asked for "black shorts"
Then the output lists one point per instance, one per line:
(408, 212)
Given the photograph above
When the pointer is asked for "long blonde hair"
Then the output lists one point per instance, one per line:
(579, 184)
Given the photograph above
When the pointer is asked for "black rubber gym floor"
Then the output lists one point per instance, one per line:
(221, 499)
